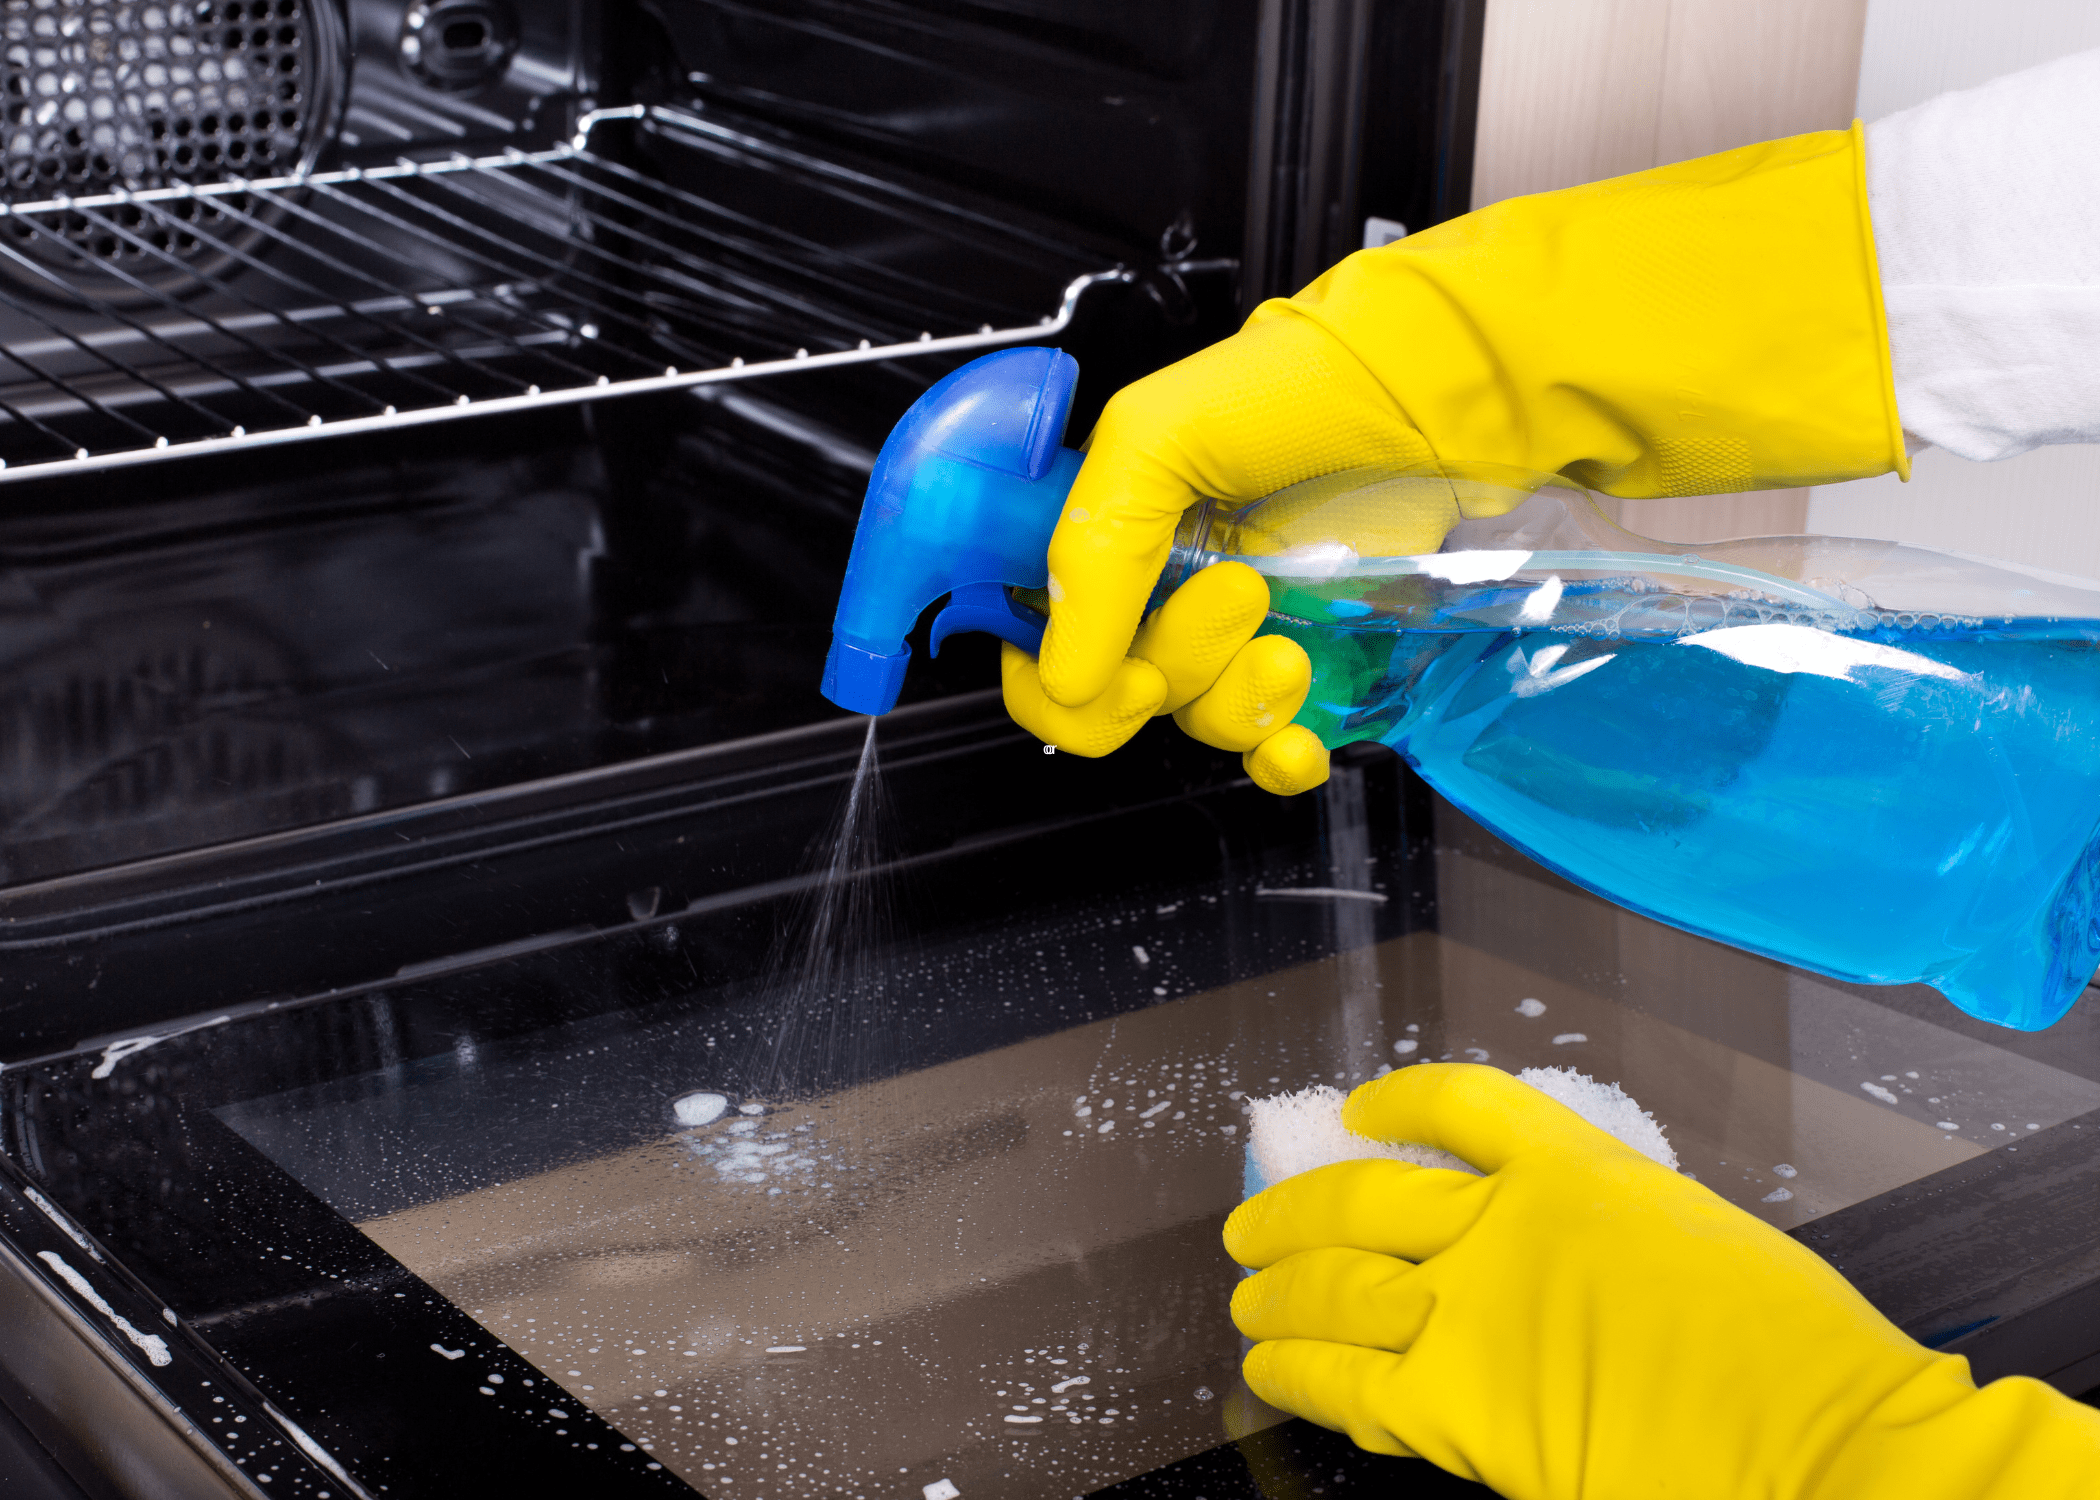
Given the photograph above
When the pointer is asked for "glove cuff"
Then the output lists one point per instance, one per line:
(1701, 328)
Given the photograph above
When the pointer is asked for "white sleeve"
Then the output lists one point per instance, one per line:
(1986, 208)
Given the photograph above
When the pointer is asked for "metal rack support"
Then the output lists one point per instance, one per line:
(543, 316)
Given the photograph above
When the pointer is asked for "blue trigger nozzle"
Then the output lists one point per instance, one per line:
(965, 494)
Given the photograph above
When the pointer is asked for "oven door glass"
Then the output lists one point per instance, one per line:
(938, 1204)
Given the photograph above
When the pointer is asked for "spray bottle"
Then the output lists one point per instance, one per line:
(1874, 761)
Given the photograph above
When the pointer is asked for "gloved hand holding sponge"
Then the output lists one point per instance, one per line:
(1583, 1324)
(1703, 328)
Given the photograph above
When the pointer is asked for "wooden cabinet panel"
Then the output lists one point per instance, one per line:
(1575, 90)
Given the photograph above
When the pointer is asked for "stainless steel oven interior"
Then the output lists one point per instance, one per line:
(431, 436)
(266, 221)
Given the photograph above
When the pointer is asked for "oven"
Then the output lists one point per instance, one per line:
(451, 1039)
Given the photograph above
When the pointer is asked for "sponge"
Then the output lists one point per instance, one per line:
(1608, 1107)
(1292, 1133)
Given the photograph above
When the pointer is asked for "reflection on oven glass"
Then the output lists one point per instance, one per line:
(1004, 1271)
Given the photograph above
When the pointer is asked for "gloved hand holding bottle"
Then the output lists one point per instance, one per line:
(1708, 327)
(1581, 1323)
(1748, 320)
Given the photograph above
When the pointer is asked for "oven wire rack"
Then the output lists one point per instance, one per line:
(258, 312)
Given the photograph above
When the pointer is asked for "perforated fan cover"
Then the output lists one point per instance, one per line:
(102, 94)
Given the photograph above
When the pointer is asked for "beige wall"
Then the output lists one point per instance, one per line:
(1575, 90)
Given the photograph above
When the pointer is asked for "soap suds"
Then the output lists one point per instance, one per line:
(317, 1453)
(130, 1046)
(1292, 1133)
(154, 1346)
(50, 1211)
(703, 1108)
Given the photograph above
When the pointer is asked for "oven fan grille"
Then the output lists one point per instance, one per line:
(273, 310)
(102, 94)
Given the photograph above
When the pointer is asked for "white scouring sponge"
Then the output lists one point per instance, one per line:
(1292, 1133)
(1607, 1106)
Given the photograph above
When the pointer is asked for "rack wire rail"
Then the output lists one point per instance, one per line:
(168, 321)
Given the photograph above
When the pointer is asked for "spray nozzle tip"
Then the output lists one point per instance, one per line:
(861, 681)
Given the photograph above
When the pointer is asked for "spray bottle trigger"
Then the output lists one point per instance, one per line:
(989, 608)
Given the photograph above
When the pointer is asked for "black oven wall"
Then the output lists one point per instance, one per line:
(469, 75)
(234, 645)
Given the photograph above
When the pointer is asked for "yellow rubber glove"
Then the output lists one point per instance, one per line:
(1582, 1324)
(1701, 328)
(1197, 659)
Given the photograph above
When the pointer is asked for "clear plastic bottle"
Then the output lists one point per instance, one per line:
(1871, 760)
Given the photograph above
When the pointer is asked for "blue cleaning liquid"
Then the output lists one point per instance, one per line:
(1903, 802)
